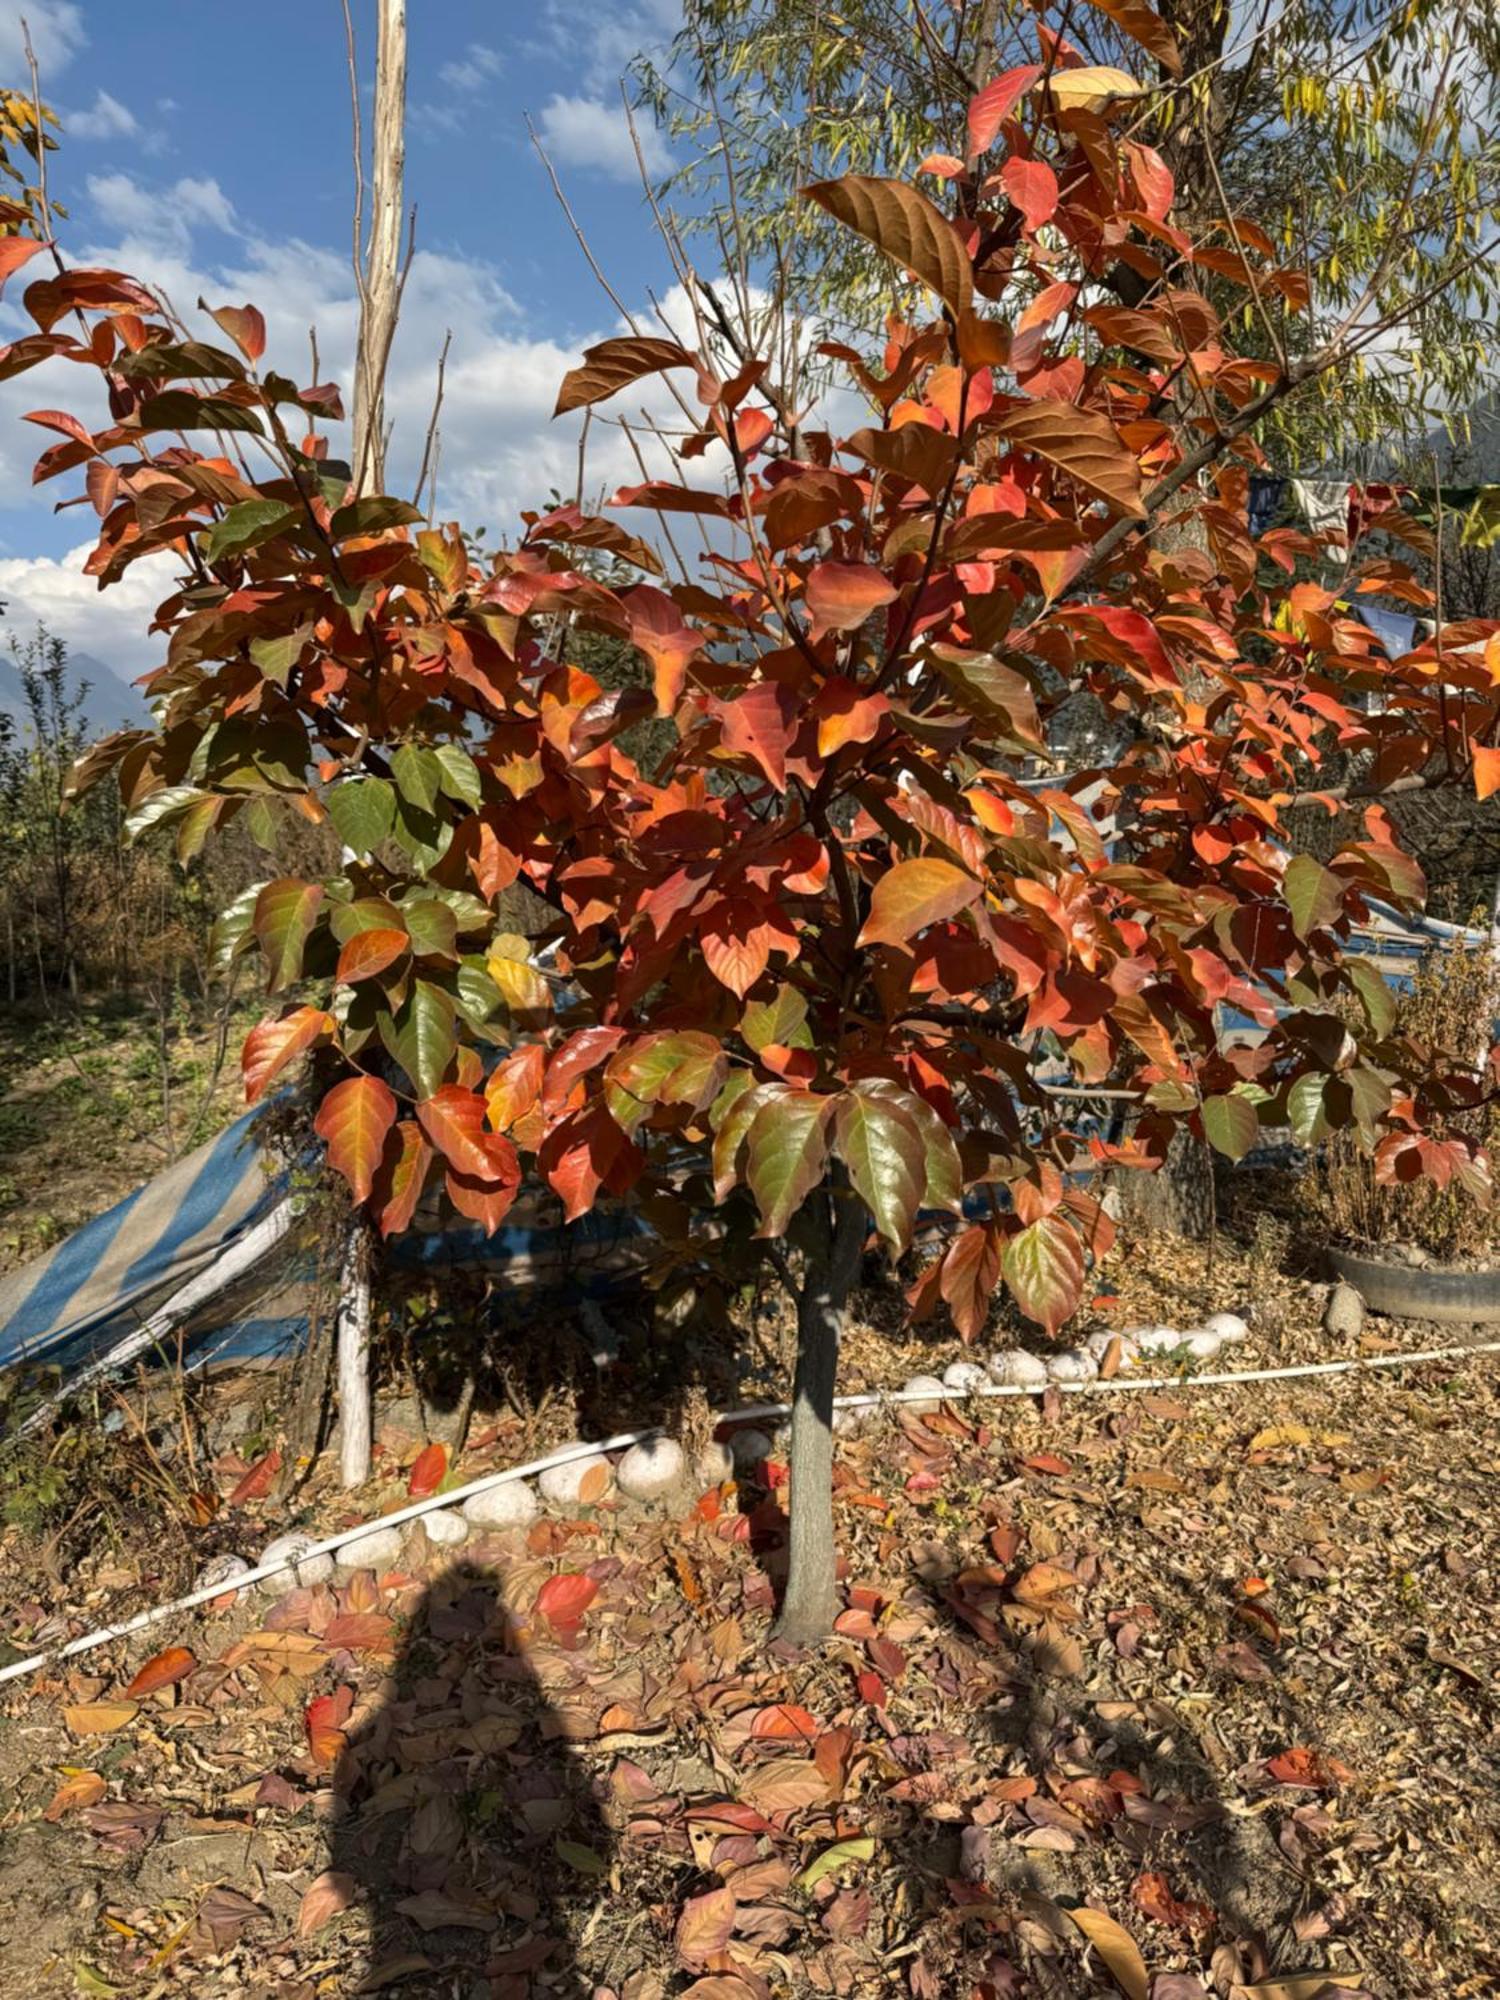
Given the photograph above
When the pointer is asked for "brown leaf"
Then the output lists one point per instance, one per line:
(903, 223)
(705, 1927)
(167, 1668)
(613, 365)
(223, 1914)
(719, 1986)
(361, 1632)
(1082, 443)
(431, 1910)
(1116, 1947)
(784, 1786)
(331, 1892)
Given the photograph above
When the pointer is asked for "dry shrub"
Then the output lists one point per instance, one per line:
(1454, 999)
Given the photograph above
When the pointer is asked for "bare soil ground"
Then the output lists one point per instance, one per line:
(1181, 1693)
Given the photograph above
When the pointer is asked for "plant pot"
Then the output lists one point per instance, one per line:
(1436, 1292)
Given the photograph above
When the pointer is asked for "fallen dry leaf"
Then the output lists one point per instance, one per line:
(1116, 1947)
(324, 1898)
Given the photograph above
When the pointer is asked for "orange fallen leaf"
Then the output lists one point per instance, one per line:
(257, 1482)
(164, 1670)
(100, 1718)
(82, 1788)
(427, 1472)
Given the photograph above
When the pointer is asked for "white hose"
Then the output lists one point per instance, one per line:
(878, 1399)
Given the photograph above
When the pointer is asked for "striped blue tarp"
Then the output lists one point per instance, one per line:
(106, 1278)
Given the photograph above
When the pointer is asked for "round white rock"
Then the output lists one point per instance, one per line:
(965, 1376)
(1016, 1369)
(1159, 1339)
(1202, 1343)
(713, 1465)
(1228, 1326)
(512, 1505)
(1075, 1364)
(651, 1469)
(225, 1570)
(926, 1386)
(377, 1548)
(443, 1527)
(311, 1570)
(562, 1485)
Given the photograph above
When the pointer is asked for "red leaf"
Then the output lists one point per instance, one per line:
(989, 110)
(257, 1482)
(1309, 1769)
(760, 725)
(453, 1119)
(165, 1670)
(246, 328)
(1032, 186)
(562, 1600)
(427, 1471)
(403, 1172)
(16, 251)
(369, 952)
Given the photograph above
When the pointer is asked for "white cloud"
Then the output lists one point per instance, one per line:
(587, 132)
(150, 219)
(112, 624)
(108, 119)
(57, 34)
(476, 68)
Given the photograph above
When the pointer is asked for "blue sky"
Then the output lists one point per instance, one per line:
(207, 149)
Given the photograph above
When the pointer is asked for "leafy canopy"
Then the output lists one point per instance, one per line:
(861, 917)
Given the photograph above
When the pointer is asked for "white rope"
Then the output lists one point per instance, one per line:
(622, 1441)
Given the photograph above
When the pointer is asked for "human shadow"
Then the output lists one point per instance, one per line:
(472, 1836)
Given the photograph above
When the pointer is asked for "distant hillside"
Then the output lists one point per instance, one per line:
(109, 703)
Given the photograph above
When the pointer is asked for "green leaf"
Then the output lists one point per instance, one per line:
(285, 913)
(365, 913)
(780, 1022)
(419, 776)
(879, 1142)
(277, 656)
(363, 811)
(1375, 996)
(860, 1847)
(1043, 1266)
(787, 1153)
(244, 526)
(422, 1036)
(1305, 1109)
(945, 1172)
(458, 774)
(421, 836)
(372, 515)
(432, 926)
(171, 802)
(479, 1001)
(685, 1067)
(1231, 1125)
(1313, 894)
(232, 931)
(180, 410)
(992, 692)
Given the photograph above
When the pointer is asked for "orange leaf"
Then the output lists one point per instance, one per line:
(841, 596)
(324, 1721)
(354, 1120)
(271, 1045)
(784, 1722)
(1486, 771)
(427, 1471)
(167, 1668)
(914, 894)
(84, 1788)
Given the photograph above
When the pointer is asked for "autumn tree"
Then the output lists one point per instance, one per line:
(824, 963)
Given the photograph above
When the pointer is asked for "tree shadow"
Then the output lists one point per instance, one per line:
(474, 1839)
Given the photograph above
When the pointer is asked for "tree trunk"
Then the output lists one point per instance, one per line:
(380, 280)
(836, 1236)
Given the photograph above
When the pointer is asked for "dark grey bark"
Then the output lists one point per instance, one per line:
(834, 1231)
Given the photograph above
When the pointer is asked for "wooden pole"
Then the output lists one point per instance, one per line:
(355, 1426)
(380, 277)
